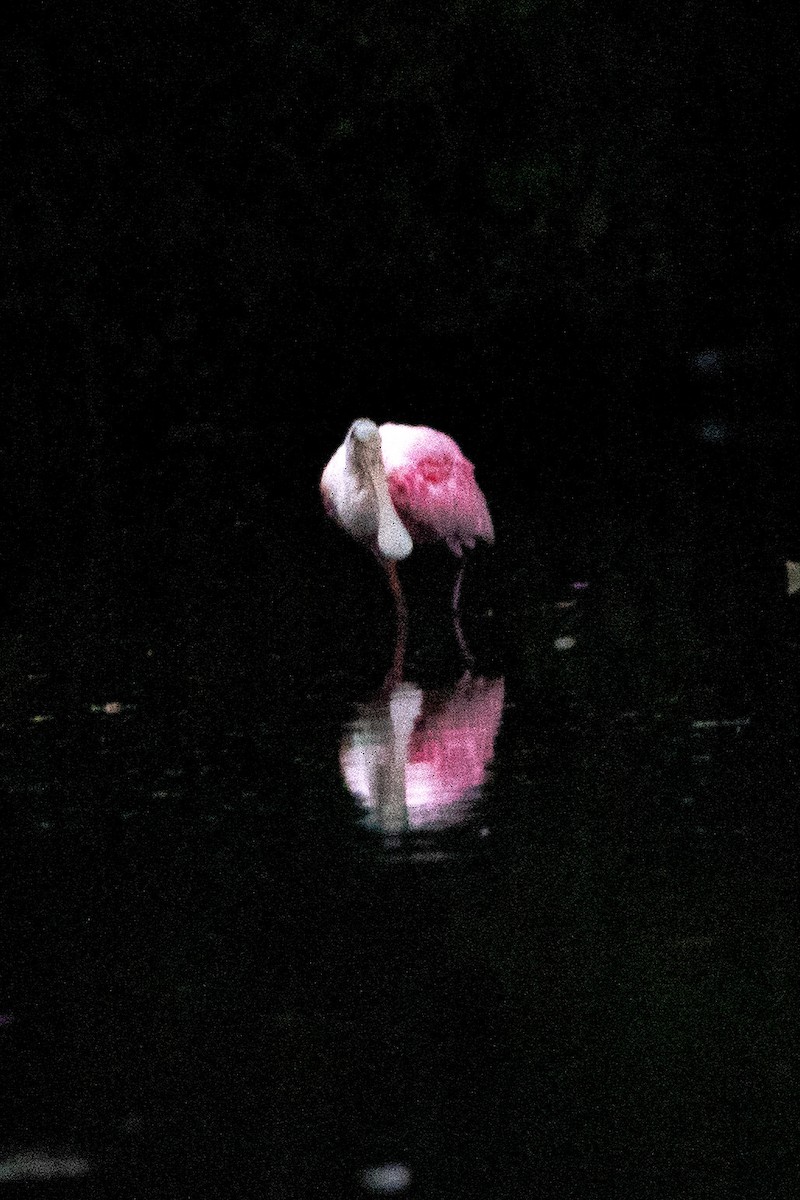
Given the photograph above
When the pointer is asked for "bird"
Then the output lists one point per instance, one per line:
(392, 487)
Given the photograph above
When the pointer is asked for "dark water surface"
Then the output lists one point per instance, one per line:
(272, 920)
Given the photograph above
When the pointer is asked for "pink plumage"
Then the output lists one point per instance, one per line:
(432, 486)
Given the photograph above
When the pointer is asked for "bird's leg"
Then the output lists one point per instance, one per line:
(462, 642)
(390, 566)
(457, 588)
(396, 673)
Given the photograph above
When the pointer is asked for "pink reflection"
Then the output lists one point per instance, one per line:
(417, 759)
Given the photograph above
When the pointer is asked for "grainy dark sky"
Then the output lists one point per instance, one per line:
(512, 214)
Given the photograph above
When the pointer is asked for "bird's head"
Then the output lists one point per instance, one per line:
(364, 442)
(364, 450)
(365, 459)
(364, 455)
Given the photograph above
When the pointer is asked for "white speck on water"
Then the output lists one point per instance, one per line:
(714, 431)
(719, 722)
(389, 1179)
(40, 1164)
(564, 643)
(708, 361)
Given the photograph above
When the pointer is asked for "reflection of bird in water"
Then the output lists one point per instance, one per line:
(417, 759)
(399, 485)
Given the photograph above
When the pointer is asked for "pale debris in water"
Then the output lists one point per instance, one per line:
(718, 722)
(389, 1179)
(41, 1164)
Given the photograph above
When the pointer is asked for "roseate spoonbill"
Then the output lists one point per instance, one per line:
(397, 485)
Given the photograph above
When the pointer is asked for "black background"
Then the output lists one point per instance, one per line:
(563, 233)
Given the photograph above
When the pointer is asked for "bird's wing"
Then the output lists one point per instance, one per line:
(433, 488)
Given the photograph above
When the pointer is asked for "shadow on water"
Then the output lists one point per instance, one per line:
(278, 925)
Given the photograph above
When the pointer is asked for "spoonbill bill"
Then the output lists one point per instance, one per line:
(395, 486)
